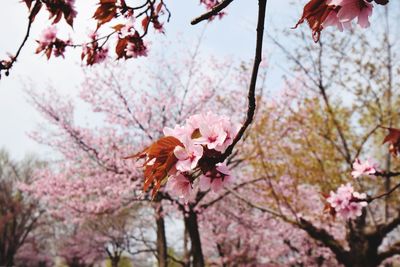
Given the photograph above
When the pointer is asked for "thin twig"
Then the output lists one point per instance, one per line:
(369, 200)
(253, 82)
(212, 12)
(8, 65)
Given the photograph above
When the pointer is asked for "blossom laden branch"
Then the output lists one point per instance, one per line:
(131, 32)
(185, 156)
(206, 142)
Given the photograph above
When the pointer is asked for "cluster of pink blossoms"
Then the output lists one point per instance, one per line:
(135, 46)
(50, 44)
(347, 203)
(347, 10)
(94, 52)
(48, 36)
(369, 167)
(203, 137)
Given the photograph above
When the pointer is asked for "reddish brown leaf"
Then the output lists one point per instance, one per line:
(160, 159)
(159, 6)
(393, 138)
(48, 52)
(114, 2)
(120, 47)
(69, 17)
(35, 10)
(105, 12)
(57, 17)
(145, 22)
(118, 27)
(315, 12)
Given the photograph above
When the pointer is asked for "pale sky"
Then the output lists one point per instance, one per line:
(232, 36)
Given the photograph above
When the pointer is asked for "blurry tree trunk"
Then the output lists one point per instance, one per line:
(186, 252)
(7, 256)
(389, 93)
(192, 227)
(115, 261)
(162, 254)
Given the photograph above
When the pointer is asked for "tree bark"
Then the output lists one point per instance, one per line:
(115, 261)
(192, 226)
(162, 254)
(8, 260)
(186, 252)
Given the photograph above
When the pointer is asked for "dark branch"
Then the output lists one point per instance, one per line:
(328, 240)
(370, 199)
(392, 251)
(253, 82)
(7, 65)
(212, 12)
(384, 229)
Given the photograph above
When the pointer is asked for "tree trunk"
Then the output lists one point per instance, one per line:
(162, 254)
(192, 226)
(8, 260)
(363, 249)
(186, 252)
(115, 261)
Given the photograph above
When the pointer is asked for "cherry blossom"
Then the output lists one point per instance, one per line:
(340, 13)
(49, 35)
(180, 132)
(136, 48)
(368, 167)
(50, 44)
(188, 156)
(216, 179)
(93, 52)
(216, 132)
(203, 137)
(346, 202)
(180, 186)
(351, 9)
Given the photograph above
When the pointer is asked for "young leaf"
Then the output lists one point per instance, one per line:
(393, 138)
(160, 159)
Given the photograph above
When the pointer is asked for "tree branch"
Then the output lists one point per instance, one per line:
(212, 12)
(328, 240)
(370, 199)
(7, 65)
(394, 250)
(262, 5)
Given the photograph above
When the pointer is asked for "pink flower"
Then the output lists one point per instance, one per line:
(212, 135)
(367, 168)
(351, 9)
(215, 132)
(179, 132)
(231, 130)
(136, 48)
(100, 55)
(216, 179)
(180, 186)
(194, 121)
(347, 203)
(49, 36)
(188, 156)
